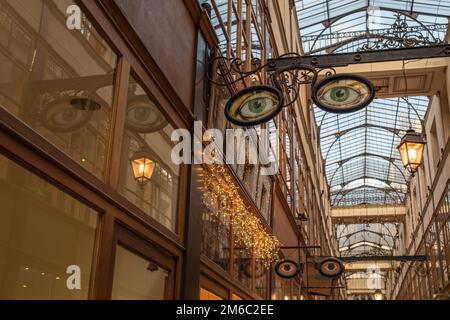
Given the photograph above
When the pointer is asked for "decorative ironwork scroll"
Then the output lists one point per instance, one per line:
(399, 35)
(288, 79)
(402, 36)
(255, 103)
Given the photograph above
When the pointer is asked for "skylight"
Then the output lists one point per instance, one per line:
(335, 26)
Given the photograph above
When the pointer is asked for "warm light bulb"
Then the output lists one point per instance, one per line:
(378, 295)
(412, 154)
(142, 168)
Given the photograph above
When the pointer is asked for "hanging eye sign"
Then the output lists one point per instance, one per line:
(343, 93)
(85, 104)
(287, 269)
(330, 267)
(144, 117)
(254, 105)
(65, 115)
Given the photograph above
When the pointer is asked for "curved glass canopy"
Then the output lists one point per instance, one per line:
(360, 151)
(366, 239)
(362, 166)
(335, 26)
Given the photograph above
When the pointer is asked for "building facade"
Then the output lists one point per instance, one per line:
(94, 207)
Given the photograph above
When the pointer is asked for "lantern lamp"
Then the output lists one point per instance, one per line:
(378, 295)
(411, 150)
(143, 165)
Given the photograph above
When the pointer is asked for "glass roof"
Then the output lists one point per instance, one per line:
(363, 166)
(366, 239)
(359, 149)
(334, 26)
(219, 19)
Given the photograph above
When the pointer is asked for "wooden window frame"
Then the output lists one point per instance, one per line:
(140, 246)
(23, 145)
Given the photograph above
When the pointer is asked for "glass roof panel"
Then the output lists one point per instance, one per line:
(360, 150)
(367, 239)
(335, 26)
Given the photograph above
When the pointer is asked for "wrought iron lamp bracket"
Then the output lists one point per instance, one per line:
(287, 78)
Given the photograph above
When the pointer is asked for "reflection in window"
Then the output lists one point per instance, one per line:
(43, 231)
(216, 236)
(136, 278)
(60, 82)
(243, 266)
(261, 283)
(149, 178)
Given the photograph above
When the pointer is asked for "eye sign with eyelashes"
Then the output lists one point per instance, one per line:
(343, 93)
(254, 105)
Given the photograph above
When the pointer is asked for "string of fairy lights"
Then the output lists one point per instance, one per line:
(220, 193)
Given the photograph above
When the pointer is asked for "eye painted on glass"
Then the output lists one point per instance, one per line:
(63, 116)
(343, 93)
(144, 117)
(254, 105)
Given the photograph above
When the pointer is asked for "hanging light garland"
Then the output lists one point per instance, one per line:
(221, 193)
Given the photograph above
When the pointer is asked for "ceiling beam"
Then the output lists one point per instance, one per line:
(345, 59)
(367, 214)
(367, 266)
(383, 258)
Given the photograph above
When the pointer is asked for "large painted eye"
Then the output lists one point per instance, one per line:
(287, 269)
(254, 105)
(144, 117)
(343, 93)
(331, 267)
(64, 116)
(257, 106)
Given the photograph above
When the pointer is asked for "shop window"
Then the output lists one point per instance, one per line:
(243, 269)
(148, 177)
(46, 236)
(58, 81)
(136, 278)
(216, 237)
(435, 150)
(261, 279)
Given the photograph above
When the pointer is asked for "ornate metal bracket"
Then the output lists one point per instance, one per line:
(283, 78)
(288, 78)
